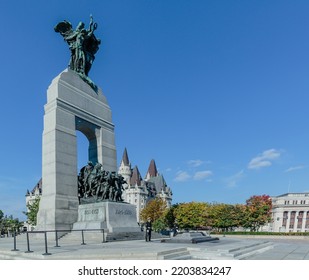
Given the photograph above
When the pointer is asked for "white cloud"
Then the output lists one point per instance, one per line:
(234, 179)
(182, 176)
(293, 168)
(195, 162)
(200, 175)
(265, 159)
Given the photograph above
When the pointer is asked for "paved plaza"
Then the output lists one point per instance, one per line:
(226, 248)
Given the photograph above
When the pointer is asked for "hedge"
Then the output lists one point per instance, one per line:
(263, 233)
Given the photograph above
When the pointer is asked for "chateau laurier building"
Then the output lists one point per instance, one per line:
(138, 191)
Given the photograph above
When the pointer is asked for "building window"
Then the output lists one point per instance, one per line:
(307, 220)
(285, 218)
(300, 219)
(292, 219)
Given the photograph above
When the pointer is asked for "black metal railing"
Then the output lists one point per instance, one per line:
(57, 238)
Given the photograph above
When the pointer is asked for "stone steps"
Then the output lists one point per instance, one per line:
(175, 254)
(232, 253)
(253, 250)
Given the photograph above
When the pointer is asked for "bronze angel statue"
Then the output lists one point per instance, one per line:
(83, 46)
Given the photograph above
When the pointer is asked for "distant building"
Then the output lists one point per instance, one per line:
(36, 191)
(290, 213)
(30, 197)
(138, 191)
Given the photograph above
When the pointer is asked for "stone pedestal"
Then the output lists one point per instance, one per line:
(113, 217)
(71, 105)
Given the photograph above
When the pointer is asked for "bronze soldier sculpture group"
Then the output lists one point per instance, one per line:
(95, 184)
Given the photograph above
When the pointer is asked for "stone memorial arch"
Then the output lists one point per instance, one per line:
(91, 199)
(72, 104)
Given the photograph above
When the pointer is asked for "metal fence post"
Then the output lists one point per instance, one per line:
(28, 244)
(56, 236)
(83, 241)
(103, 241)
(46, 251)
(15, 249)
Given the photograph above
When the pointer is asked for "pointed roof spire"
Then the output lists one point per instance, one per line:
(125, 158)
(152, 170)
(136, 178)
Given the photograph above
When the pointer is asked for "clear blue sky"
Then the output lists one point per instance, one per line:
(215, 91)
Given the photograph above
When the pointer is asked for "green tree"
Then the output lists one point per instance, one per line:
(257, 212)
(222, 216)
(33, 208)
(159, 224)
(155, 209)
(226, 217)
(192, 215)
(170, 218)
(10, 225)
(239, 214)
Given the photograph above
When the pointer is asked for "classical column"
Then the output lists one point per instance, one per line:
(295, 221)
(287, 228)
(304, 221)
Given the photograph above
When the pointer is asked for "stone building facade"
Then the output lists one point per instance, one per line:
(30, 197)
(138, 191)
(290, 213)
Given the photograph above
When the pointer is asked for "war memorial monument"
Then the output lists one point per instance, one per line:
(92, 197)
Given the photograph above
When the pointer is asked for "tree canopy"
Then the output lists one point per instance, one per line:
(257, 212)
(32, 212)
(192, 215)
(217, 216)
(155, 209)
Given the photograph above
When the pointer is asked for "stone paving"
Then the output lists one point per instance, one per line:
(285, 249)
(281, 249)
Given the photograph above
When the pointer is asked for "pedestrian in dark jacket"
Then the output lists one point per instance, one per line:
(148, 230)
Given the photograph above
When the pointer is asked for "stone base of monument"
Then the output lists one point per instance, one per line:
(190, 237)
(118, 219)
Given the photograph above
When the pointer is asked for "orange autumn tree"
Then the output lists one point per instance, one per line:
(257, 212)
